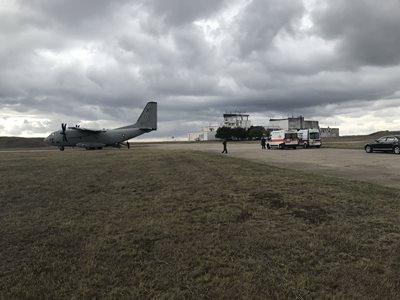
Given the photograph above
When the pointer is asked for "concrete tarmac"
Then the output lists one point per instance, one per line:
(379, 168)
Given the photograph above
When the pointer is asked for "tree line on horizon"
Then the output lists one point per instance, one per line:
(238, 133)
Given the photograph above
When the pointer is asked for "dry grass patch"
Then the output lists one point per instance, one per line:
(175, 224)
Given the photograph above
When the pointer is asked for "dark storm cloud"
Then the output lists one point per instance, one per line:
(178, 12)
(262, 21)
(84, 19)
(367, 31)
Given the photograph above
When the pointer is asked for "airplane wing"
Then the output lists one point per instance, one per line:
(86, 130)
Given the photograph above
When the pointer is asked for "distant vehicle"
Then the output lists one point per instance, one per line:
(92, 139)
(385, 143)
(309, 138)
(282, 139)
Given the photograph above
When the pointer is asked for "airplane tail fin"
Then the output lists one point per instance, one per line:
(148, 118)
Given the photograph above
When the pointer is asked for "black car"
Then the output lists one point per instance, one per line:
(385, 143)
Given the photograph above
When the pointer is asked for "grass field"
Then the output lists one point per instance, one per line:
(7, 142)
(149, 223)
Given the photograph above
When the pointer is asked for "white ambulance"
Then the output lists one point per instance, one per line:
(283, 139)
(309, 138)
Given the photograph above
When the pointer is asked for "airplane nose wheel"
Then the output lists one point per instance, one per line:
(62, 148)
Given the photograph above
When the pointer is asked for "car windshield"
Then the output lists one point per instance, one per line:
(382, 139)
(314, 135)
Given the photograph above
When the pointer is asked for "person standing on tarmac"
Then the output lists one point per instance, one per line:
(263, 142)
(225, 149)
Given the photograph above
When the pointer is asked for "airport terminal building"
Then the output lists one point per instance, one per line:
(241, 120)
(295, 123)
(231, 120)
(235, 120)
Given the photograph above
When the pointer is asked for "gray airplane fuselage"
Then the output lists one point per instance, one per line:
(104, 138)
(97, 139)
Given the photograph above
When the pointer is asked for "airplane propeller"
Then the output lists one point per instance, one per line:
(64, 134)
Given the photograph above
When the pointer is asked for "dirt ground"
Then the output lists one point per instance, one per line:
(380, 168)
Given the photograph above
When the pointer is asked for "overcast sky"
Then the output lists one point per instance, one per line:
(97, 62)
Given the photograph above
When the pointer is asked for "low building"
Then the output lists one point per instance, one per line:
(207, 133)
(293, 123)
(231, 120)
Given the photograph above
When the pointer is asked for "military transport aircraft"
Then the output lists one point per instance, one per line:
(97, 139)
